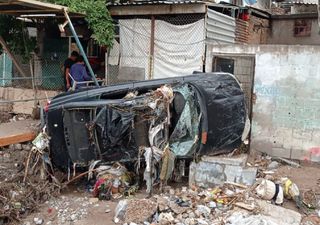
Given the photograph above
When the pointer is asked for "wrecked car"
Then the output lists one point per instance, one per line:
(200, 114)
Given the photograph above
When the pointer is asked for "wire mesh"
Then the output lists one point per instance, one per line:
(172, 45)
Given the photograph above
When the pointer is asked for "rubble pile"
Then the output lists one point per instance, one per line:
(30, 184)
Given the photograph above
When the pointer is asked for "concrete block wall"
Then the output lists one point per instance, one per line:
(18, 96)
(286, 113)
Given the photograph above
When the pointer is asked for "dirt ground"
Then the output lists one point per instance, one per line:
(76, 205)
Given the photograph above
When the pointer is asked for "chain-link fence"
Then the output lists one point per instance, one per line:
(36, 80)
(156, 47)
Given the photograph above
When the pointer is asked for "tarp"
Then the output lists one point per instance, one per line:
(135, 43)
(178, 49)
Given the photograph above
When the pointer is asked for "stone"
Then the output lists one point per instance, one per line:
(212, 204)
(202, 222)
(190, 221)
(165, 218)
(191, 215)
(26, 147)
(73, 217)
(176, 208)
(197, 213)
(204, 210)
(93, 200)
(38, 221)
(107, 210)
(273, 165)
(18, 146)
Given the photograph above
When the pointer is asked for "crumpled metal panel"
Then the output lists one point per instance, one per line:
(220, 28)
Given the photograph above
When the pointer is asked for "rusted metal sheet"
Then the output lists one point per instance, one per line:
(220, 28)
(242, 32)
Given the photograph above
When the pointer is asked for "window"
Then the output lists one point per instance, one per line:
(302, 28)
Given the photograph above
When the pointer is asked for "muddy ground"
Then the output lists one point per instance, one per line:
(76, 205)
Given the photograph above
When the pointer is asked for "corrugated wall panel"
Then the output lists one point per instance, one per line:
(220, 28)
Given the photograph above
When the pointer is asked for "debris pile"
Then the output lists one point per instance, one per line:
(31, 184)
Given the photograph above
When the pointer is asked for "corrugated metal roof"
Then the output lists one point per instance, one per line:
(307, 2)
(220, 28)
(154, 2)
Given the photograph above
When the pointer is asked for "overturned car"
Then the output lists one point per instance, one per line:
(189, 116)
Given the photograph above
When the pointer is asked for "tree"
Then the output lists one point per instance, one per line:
(97, 16)
(15, 33)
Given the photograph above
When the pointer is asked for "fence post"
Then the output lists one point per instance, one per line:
(151, 60)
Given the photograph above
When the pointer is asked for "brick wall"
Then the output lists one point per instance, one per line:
(286, 113)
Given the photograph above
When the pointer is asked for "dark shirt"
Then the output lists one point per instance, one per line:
(79, 73)
(67, 64)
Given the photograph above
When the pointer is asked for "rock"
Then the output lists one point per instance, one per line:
(26, 147)
(197, 213)
(204, 210)
(202, 222)
(185, 215)
(190, 221)
(273, 165)
(107, 210)
(132, 223)
(165, 218)
(18, 146)
(162, 204)
(27, 223)
(171, 191)
(73, 217)
(176, 208)
(212, 204)
(191, 215)
(38, 221)
(93, 200)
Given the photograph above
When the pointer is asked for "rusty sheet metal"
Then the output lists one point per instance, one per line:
(242, 32)
(220, 28)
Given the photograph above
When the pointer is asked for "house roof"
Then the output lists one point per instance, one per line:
(153, 2)
(32, 8)
(144, 7)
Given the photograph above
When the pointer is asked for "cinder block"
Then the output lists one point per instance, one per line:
(249, 175)
(233, 173)
(240, 160)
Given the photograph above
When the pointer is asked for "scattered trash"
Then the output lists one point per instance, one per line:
(268, 190)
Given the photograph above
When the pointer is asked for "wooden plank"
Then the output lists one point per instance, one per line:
(17, 132)
(14, 139)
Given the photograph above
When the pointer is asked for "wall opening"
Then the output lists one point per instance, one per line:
(242, 67)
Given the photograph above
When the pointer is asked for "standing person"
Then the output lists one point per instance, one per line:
(79, 73)
(67, 65)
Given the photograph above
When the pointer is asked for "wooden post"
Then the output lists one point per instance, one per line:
(151, 61)
(13, 58)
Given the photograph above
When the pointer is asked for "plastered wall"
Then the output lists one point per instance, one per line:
(286, 109)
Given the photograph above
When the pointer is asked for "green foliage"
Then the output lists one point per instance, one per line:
(97, 16)
(15, 33)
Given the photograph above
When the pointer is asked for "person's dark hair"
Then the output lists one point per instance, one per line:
(80, 58)
(75, 54)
